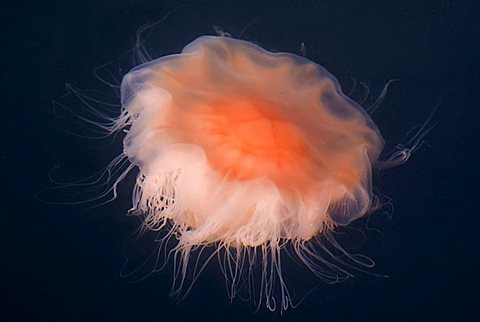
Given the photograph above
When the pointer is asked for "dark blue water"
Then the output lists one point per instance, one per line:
(59, 264)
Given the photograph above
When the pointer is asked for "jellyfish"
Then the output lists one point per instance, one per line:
(247, 151)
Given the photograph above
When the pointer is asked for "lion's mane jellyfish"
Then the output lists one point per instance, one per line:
(247, 151)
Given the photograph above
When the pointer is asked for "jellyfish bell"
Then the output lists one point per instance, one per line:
(246, 149)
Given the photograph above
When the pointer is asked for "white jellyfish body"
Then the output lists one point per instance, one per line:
(245, 149)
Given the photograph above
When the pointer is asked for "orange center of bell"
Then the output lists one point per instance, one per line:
(247, 141)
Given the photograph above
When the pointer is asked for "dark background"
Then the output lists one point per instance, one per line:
(59, 264)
